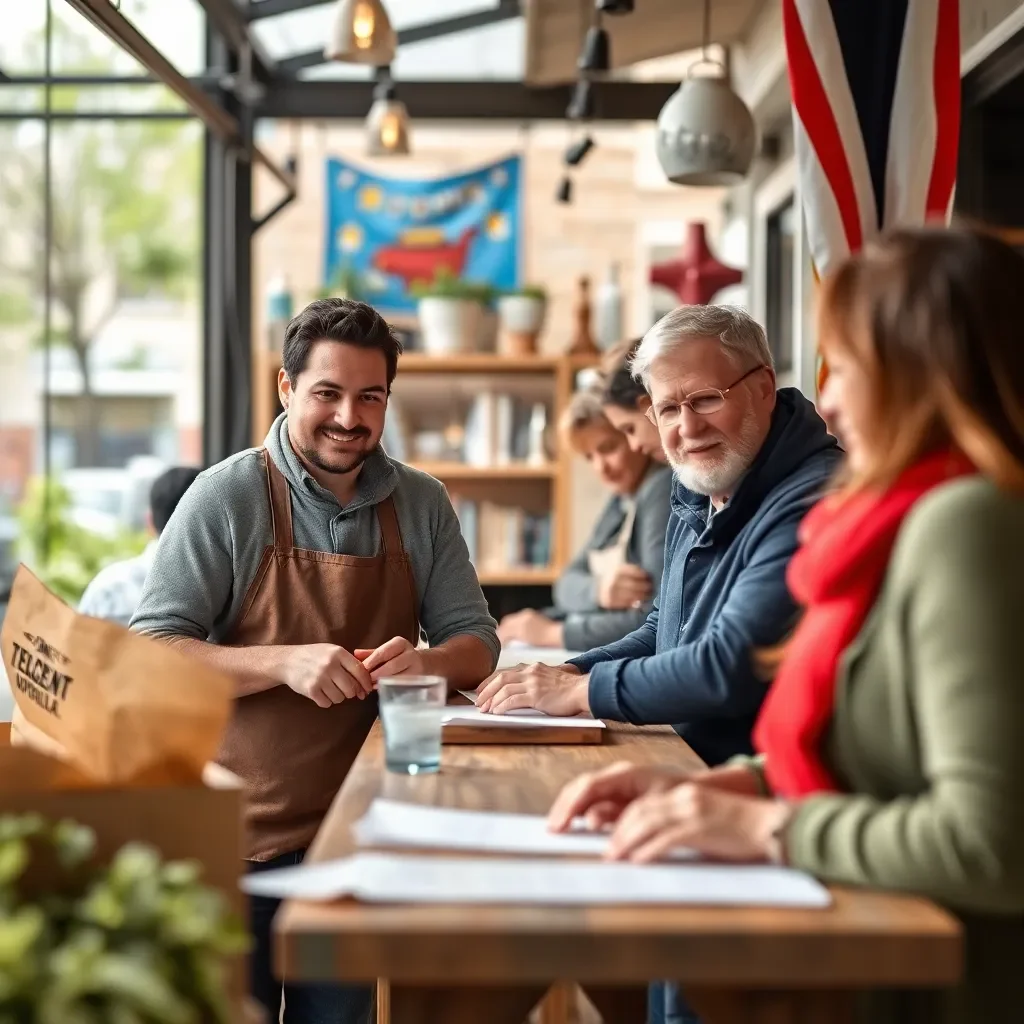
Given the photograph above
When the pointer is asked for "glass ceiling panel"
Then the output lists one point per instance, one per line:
(490, 52)
(80, 48)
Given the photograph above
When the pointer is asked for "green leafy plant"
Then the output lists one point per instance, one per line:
(528, 291)
(346, 281)
(136, 941)
(73, 555)
(447, 285)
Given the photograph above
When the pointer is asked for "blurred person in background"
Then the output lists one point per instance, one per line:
(627, 404)
(890, 743)
(608, 589)
(115, 590)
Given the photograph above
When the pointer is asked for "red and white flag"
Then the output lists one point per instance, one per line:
(876, 112)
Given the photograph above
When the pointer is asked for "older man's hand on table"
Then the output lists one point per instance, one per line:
(553, 689)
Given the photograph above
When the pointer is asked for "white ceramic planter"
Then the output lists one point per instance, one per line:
(450, 325)
(521, 314)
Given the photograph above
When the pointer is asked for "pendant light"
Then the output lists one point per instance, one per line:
(614, 6)
(706, 134)
(361, 34)
(387, 123)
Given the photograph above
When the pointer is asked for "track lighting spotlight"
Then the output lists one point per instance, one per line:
(596, 55)
(578, 151)
(581, 108)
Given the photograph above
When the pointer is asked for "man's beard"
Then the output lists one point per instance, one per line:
(719, 479)
(344, 462)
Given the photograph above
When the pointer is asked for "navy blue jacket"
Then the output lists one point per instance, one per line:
(723, 596)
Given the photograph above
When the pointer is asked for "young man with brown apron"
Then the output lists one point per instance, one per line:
(281, 563)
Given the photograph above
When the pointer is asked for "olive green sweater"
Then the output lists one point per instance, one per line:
(927, 740)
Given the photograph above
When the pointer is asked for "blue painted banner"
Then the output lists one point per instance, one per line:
(395, 231)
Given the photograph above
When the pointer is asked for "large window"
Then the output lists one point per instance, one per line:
(101, 386)
(780, 284)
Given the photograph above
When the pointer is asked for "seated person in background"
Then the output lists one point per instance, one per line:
(627, 404)
(749, 461)
(893, 731)
(608, 590)
(115, 590)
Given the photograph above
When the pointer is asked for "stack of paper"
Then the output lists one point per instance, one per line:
(517, 653)
(397, 878)
(392, 823)
(467, 714)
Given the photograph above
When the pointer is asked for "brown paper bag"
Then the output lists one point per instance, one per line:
(117, 706)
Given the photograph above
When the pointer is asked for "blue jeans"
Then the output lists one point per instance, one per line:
(665, 1005)
(303, 1004)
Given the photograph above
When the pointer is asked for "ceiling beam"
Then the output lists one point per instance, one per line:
(505, 10)
(115, 26)
(271, 8)
(471, 101)
(227, 19)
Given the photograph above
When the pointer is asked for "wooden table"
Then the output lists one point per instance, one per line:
(492, 964)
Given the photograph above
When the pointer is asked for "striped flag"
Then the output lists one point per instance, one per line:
(876, 113)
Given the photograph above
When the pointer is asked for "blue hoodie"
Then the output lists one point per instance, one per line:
(723, 596)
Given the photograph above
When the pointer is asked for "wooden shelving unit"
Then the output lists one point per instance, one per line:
(525, 577)
(548, 482)
(511, 471)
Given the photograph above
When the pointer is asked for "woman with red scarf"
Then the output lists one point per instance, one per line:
(892, 738)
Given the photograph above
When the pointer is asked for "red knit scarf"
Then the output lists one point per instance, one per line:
(836, 575)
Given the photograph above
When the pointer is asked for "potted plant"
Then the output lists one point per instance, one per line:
(345, 283)
(138, 939)
(521, 318)
(452, 313)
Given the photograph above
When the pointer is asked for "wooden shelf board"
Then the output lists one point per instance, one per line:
(523, 576)
(462, 471)
(475, 362)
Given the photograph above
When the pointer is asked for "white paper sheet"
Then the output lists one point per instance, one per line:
(403, 878)
(467, 714)
(517, 653)
(393, 823)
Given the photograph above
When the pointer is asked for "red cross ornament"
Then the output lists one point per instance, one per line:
(696, 276)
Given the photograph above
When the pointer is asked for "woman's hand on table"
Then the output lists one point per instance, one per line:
(531, 627)
(627, 586)
(553, 689)
(600, 797)
(714, 822)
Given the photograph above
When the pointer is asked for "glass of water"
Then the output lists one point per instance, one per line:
(411, 709)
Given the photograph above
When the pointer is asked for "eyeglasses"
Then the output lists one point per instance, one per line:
(703, 402)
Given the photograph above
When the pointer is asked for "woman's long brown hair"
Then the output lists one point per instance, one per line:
(936, 317)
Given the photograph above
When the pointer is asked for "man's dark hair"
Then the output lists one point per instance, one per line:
(168, 489)
(343, 320)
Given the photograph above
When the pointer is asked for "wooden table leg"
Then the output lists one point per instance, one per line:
(715, 1006)
(420, 1004)
(625, 1004)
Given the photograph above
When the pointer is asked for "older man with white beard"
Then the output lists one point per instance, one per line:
(749, 462)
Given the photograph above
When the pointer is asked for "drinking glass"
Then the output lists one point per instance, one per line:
(411, 709)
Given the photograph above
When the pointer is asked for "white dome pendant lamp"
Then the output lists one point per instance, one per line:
(706, 134)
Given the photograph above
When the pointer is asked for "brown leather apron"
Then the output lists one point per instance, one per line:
(291, 754)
